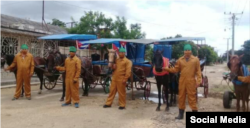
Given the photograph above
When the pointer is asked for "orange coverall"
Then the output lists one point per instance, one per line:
(189, 70)
(25, 68)
(244, 79)
(73, 70)
(122, 72)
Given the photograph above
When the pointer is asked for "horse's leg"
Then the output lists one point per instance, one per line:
(86, 84)
(158, 81)
(40, 76)
(64, 88)
(238, 98)
(166, 84)
(171, 93)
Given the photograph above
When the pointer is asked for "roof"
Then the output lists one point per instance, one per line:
(114, 40)
(23, 25)
(101, 41)
(174, 40)
(69, 37)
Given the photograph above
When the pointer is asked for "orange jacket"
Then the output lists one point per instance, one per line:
(123, 69)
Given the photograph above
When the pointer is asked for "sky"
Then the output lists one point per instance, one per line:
(158, 18)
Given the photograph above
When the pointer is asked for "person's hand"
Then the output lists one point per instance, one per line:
(31, 74)
(114, 66)
(123, 81)
(165, 68)
(57, 67)
(75, 80)
(233, 76)
(5, 69)
(197, 84)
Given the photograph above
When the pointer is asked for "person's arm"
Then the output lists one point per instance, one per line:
(128, 70)
(244, 79)
(175, 69)
(198, 72)
(78, 70)
(32, 66)
(13, 65)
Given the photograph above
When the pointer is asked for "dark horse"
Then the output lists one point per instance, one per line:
(241, 89)
(38, 70)
(161, 80)
(56, 59)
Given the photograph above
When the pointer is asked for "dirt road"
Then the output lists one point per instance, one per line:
(45, 111)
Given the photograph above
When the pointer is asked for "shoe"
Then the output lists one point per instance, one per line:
(106, 106)
(66, 104)
(76, 105)
(121, 108)
(180, 116)
(29, 98)
(14, 98)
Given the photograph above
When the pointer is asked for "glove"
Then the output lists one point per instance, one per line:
(233, 76)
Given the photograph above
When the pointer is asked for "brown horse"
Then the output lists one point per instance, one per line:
(241, 90)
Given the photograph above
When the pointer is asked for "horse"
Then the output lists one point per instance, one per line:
(241, 89)
(56, 59)
(37, 61)
(173, 84)
(161, 80)
(86, 74)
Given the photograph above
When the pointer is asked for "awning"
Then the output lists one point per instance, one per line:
(102, 41)
(69, 37)
(175, 40)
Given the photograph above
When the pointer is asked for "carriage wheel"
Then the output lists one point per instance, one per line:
(106, 85)
(147, 89)
(227, 99)
(83, 85)
(140, 84)
(128, 85)
(48, 84)
(206, 86)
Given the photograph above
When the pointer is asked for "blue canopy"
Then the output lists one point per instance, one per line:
(69, 37)
(175, 40)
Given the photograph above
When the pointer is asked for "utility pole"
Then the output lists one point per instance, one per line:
(43, 21)
(227, 48)
(71, 23)
(233, 23)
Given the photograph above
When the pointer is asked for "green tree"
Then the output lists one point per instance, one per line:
(208, 53)
(58, 23)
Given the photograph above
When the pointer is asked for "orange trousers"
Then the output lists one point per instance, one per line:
(191, 91)
(72, 91)
(117, 86)
(19, 83)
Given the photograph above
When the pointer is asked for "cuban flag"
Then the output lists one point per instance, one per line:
(115, 48)
(123, 44)
(82, 46)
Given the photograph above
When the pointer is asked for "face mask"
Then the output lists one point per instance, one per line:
(24, 52)
(72, 54)
(187, 53)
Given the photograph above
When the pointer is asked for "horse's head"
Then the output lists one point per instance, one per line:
(158, 60)
(3, 61)
(235, 64)
(54, 59)
(111, 57)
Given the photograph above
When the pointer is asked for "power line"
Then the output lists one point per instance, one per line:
(242, 12)
(12, 3)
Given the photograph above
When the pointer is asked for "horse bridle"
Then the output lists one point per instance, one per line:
(114, 58)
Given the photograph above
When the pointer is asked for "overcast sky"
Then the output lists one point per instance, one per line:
(193, 18)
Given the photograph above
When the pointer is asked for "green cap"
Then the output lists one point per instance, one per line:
(122, 49)
(72, 49)
(187, 47)
(24, 46)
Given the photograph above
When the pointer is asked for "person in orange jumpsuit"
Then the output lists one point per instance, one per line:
(190, 79)
(73, 69)
(24, 63)
(122, 71)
